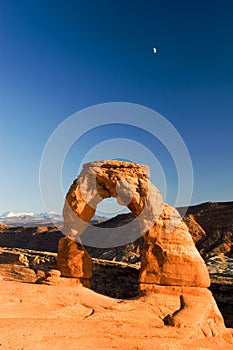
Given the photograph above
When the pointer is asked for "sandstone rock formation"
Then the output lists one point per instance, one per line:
(41, 238)
(73, 260)
(67, 317)
(127, 182)
(169, 256)
(216, 219)
(172, 270)
(11, 268)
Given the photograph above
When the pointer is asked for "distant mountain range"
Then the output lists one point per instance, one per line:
(30, 219)
(37, 219)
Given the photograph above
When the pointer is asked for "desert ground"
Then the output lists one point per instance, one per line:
(67, 315)
(40, 316)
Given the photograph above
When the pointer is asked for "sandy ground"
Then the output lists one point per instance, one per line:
(34, 316)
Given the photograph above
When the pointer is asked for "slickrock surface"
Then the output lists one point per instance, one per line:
(39, 316)
(111, 278)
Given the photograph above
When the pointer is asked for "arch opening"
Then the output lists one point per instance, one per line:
(108, 209)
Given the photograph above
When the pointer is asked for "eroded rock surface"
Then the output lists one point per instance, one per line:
(73, 260)
(127, 182)
(171, 265)
(216, 219)
(169, 255)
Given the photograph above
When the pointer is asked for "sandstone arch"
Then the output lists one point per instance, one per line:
(173, 277)
(169, 256)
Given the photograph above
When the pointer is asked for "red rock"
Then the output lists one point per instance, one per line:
(169, 255)
(125, 181)
(17, 272)
(73, 260)
(173, 275)
(191, 307)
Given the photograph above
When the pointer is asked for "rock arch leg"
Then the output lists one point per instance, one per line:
(169, 255)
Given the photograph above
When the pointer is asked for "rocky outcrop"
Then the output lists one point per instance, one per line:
(171, 268)
(189, 307)
(169, 256)
(14, 265)
(22, 264)
(127, 182)
(41, 238)
(216, 219)
(74, 261)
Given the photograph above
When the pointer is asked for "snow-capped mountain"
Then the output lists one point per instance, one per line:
(30, 218)
(10, 214)
(36, 219)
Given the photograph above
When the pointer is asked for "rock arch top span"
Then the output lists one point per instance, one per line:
(169, 256)
(127, 182)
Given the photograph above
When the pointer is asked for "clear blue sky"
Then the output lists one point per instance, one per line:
(58, 57)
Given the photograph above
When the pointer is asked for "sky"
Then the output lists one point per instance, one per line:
(60, 57)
